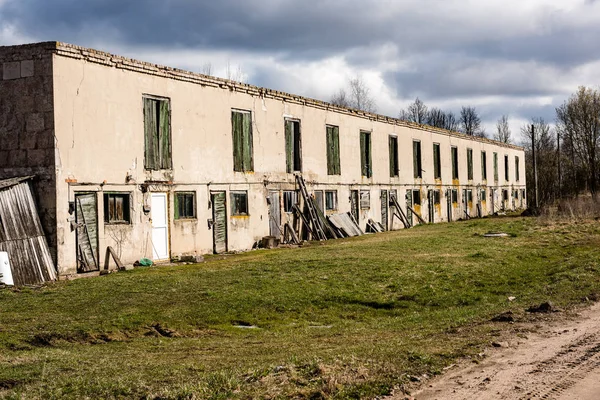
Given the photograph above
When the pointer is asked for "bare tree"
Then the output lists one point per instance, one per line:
(545, 151)
(436, 117)
(416, 112)
(340, 99)
(237, 75)
(503, 130)
(451, 122)
(578, 123)
(470, 122)
(359, 97)
(206, 69)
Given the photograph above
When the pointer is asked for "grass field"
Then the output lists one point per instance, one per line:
(342, 319)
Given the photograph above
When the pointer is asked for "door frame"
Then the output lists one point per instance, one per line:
(97, 253)
(168, 224)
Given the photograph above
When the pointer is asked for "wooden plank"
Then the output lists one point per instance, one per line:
(417, 215)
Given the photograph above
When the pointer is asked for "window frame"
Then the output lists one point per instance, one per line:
(126, 196)
(293, 200)
(332, 139)
(469, 164)
(177, 208)
(157, 158)
(293, 145)
(454, 158)
(483, 165)
(496, 174)
(437, 161)
(364, 199)
(334, 199)
(240, 153)
(517, 172)
(366, 154)
(235, 212)
(394, 156)
(417, 159)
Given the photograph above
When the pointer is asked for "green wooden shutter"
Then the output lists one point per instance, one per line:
(164, 135)
(329, 144)
(333, 150)
(363, 154)
(369, 156)
(236, 129)
(289, 146)
(247, 145)
(416, 154)
(470, 164)
(391, 153)
(436, 161)
(150, 139)
(337, 170)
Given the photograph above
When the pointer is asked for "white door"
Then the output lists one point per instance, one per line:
(160, 227)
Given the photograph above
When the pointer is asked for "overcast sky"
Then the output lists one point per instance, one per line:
(515, 57)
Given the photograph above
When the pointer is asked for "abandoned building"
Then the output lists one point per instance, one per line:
(163, 163)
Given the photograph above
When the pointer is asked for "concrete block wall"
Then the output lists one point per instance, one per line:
(27, 125)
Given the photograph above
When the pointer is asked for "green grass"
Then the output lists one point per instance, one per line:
(341, 319)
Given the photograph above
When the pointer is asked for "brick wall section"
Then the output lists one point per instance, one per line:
(27, 125)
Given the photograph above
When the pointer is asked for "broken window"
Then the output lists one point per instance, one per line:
(436, 197)
(523, 194)
(293, 146)
(331, 200)
(157, 134)
(505, 195)
(417, 166)
(365, 154)
(483, 166)
(517, 168)
(496, 167)
(365, 199)
(506, 168)
(241, 127)
(482, 195)
(454, 195)
(393, 146)
(416, 197)
(239, 203)
(454, 151)
(333, 150)
(185, 205)
(469, 196)
(516, 194)
(437, 163)
(116, 208)
(290, 199)
(470, 164)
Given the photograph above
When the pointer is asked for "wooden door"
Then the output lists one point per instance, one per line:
(384, 209)
(86, 217)
(160, 227)
(274, 214)
(219, 207)
(430, 206)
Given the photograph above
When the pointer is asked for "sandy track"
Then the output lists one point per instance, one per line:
(561, 361)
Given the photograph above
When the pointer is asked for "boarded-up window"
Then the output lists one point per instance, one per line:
(290, 199)
(470, 164)
(365, 154)
(365, 199)
(293, 146)
(454, 152)
(506, 177)
(417, 166)
(437, 164)
(517, 169)
(331, 200)
(185, 205)
(393, 145)
(116, 208)
(333, 150)
(157, 134)
(483, 166)
(239, 203)
(496, 166)
(241, 126)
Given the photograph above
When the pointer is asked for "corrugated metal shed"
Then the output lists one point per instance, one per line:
(21, 234)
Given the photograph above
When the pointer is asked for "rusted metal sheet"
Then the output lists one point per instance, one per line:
(345, 223)
(21, 234)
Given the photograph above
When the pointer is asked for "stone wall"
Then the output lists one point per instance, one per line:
(27, 125)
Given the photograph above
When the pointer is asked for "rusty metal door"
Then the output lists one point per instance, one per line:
(384, 209)
(219, 207)
(274, 214)
(86, 218)
(354, 204)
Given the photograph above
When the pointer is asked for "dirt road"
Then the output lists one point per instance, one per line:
(560, 361)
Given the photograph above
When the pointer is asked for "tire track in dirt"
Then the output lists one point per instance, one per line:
(551, 364)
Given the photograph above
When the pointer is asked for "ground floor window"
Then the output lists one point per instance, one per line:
(116, 208)
(436, 197)
(483, 195)
(239, 203)
(185, 205)
(505, 195)
(416, 197)
(454, 195)
(331, 200)
(290, 199)
(365, 199)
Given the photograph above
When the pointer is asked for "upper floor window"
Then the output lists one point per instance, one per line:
(241, 127)
(157, 133)
(365, 154)
(333, 150)
(496, 166)
(470, 164)
(417, 166)
(454, 151)
(293, 146)
(483, 166)
(393, 145)
(506, 176)
(517, 168)
(437, 163)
